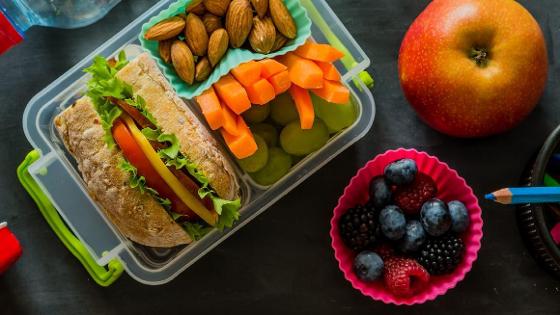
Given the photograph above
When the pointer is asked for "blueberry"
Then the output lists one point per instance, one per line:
(379, 192)
(401, 172)
(435, 217)
(459, 216)
(393, 222)
(368, 266)
(414, 237)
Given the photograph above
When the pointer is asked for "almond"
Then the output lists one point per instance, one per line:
(282, 18)
(239, 20)
(195, 35)
(211, 22)
(166, 29)
(203, 70)
(217, 46)
(217, 7)
(279, 42)
(262, 35)
(164, 48)
(260, 6)
(196, 7)
(183, 61)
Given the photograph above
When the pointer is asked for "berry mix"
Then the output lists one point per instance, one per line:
(403, 234)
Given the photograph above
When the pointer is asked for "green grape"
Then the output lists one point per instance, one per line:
(283, 110)
(297, 141)
(279, 163)
(258, 160)
(268, 132)
(257, 113)
(335, 116)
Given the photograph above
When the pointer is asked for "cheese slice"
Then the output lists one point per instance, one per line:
(186, 196)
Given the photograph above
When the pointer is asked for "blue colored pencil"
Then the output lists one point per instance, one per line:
(520, 195)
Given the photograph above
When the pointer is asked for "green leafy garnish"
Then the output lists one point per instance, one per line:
(140, 104)
(103, 84)
(196, 230)
(134, 180)
(139, 182)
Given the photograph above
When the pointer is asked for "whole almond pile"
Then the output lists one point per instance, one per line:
(196, 41)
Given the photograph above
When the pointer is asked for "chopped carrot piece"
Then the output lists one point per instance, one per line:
(211, 108)
(271, 67)
(261, 92)
(247, 73)
(281, 82)
(233, 94)
(318, 52)
(242, 145)
(230, 121)
(303, 72)
(304, 106)
(329, 71)
(334, 92)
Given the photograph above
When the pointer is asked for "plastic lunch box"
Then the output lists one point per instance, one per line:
(53, 181)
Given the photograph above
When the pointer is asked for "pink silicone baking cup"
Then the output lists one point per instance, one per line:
(450, 186)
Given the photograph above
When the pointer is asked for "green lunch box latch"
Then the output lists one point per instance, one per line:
(103, 276)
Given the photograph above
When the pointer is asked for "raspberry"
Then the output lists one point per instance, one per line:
(411, 197)
(405, 276)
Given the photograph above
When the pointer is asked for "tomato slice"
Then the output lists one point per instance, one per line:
(134, 154)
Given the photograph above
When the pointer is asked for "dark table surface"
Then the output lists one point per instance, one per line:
(282, 262)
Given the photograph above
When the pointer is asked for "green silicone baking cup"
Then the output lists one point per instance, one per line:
(233, 57)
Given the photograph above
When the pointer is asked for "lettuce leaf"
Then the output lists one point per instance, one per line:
(103, 83)
(139, 182)
(140, 104)
(196, 230)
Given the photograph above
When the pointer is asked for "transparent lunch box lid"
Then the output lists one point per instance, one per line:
(57, 176)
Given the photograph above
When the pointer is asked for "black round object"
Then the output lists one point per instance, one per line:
(358, 227)
(441, 255)
(536, 220)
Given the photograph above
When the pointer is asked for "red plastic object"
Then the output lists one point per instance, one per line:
(10, 249)
(555, 232)
(9, 36)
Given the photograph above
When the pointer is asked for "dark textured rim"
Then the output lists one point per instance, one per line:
(531, 217)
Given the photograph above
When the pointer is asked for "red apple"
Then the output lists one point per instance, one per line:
(473, 68)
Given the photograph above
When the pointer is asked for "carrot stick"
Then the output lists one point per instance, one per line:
(303, 72)
(329, 71)
(261, 92)
(247, 73)
(333, 92)
(281, 82)
(230, 121)
(271, 67)
(211, 108)
(304, 106)
(318, 52)
(242, 145)
(233, 94)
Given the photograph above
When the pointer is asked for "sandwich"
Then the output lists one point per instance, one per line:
(145, 158)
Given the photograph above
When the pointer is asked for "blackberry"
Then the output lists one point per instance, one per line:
(357, 227)
(441, 255)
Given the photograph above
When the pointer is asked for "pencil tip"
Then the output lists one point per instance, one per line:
(490, 197)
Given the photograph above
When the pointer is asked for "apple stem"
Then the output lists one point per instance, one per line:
(480, 56)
